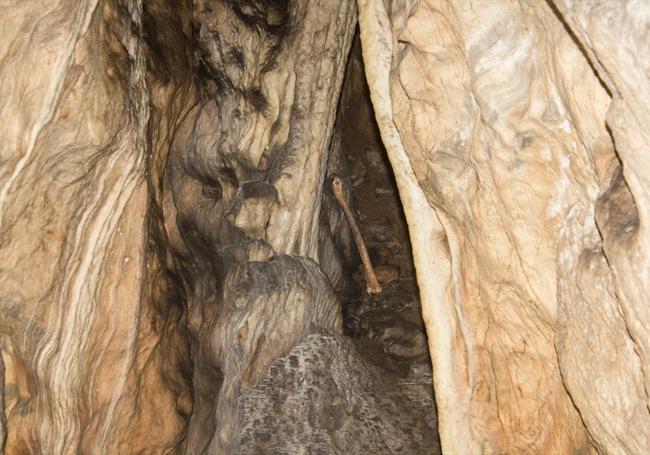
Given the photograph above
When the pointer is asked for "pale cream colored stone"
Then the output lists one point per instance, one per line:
(499, 121)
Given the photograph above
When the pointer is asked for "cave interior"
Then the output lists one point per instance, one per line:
(324, 227)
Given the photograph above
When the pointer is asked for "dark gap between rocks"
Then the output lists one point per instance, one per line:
(387, 329)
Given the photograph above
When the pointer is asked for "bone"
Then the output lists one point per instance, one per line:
(373, 286)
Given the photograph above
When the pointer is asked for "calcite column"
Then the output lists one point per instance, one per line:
(243, 191)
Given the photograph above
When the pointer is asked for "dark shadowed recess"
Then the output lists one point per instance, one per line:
(387, 329)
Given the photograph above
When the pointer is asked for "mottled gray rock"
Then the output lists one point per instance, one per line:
(323, 398)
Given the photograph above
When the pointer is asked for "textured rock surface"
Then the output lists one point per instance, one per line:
(163, 220)
(497, 128)
(168, 247)
(332, 399)
(82, 324)
(243, 191)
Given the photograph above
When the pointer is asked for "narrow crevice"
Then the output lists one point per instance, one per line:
(387, 328)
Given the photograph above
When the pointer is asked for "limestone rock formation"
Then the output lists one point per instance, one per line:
(332, 399)
(515, 135)
(174, 268)
(92, 348)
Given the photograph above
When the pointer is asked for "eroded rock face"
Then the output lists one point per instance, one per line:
(243, 195)
(170, 255)
(498, 128)
(89, 339)
(332, 399)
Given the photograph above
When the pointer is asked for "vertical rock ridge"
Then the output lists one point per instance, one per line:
(74, 224)
(430, 255)
(497, 111)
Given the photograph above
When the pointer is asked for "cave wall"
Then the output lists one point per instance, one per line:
(103, 238)
(163, 217)
(515, 130)
(158, 153)
(82, 321)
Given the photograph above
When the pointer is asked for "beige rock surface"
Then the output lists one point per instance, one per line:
(166, 234)
(497, 127)
(81, 321)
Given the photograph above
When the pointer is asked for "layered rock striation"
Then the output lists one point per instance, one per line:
(171, 258)
(514, 133)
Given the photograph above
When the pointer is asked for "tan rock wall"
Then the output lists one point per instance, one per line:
(517, 131)
(495, 122)
(79, 332)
